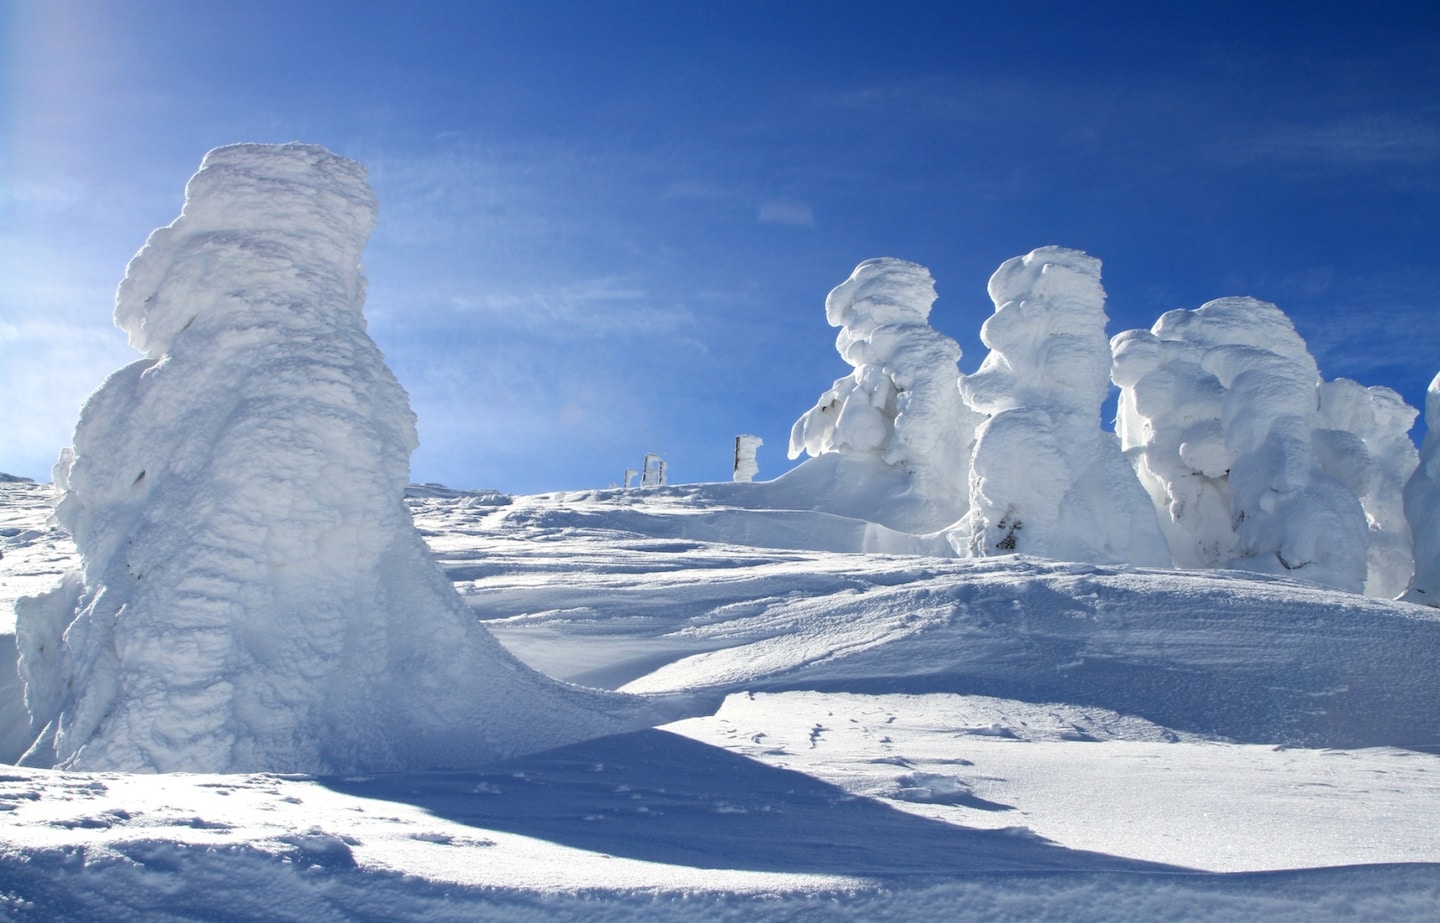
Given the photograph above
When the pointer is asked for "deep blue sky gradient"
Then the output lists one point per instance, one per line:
(608, 229)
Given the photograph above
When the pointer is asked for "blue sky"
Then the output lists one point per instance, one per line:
(608, 229)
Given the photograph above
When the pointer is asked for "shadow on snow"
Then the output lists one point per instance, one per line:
(661, 797)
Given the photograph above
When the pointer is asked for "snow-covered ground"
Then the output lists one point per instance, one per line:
(880, 736)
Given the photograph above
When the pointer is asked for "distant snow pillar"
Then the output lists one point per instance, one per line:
(1422, 508)
(745, 465)
(654, 473)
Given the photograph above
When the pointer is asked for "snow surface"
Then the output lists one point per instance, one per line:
(254, 594)
(878, 728)
(999, 739)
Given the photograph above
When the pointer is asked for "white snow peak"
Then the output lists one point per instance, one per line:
(255, 595)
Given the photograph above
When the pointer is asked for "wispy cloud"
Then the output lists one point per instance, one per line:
(1386, 139)
(1380, 327)
(788, 212)
(47, 369)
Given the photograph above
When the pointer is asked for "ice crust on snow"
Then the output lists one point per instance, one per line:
(1045, 479)
(1422, 507)
(899, 407)
(254, 594)
(1251, 463)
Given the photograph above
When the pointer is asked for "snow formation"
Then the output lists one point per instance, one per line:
(746, 467)
(1364, 442)
(254, 594)
(1045, 479)
(1221, 409)
(897, 417)
(1422, 507)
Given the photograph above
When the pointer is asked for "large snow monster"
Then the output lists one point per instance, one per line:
(254, 594)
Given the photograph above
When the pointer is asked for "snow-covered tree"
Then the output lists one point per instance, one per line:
(254, 594)
(1045, 478)
(1220, 410)
(746, 467)
(1422, 507)
(899, 409)
(1365, 443)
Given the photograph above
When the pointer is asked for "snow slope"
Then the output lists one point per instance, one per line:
(894, 735)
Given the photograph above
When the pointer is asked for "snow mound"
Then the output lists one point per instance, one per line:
(1045, 479)
(899, 406)
(254, 593)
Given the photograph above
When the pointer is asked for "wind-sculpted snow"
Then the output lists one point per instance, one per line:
(1422, 507)
(1045, 479)
(687, 591)
(1221, 408)
(899, 406)
(254, 593)
(938, 725)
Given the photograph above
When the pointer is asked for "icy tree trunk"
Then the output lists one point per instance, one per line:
(254, 595)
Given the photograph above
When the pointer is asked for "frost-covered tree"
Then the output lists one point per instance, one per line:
(1365, 443)
(1220, 410)
(746, 467)
(254, 594)
(897, 416)
(1045, 478)
(1422, 507)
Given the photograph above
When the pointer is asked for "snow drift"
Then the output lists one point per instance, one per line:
(254, 594)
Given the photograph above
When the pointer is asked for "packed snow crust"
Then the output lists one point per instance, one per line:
(254, 594)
